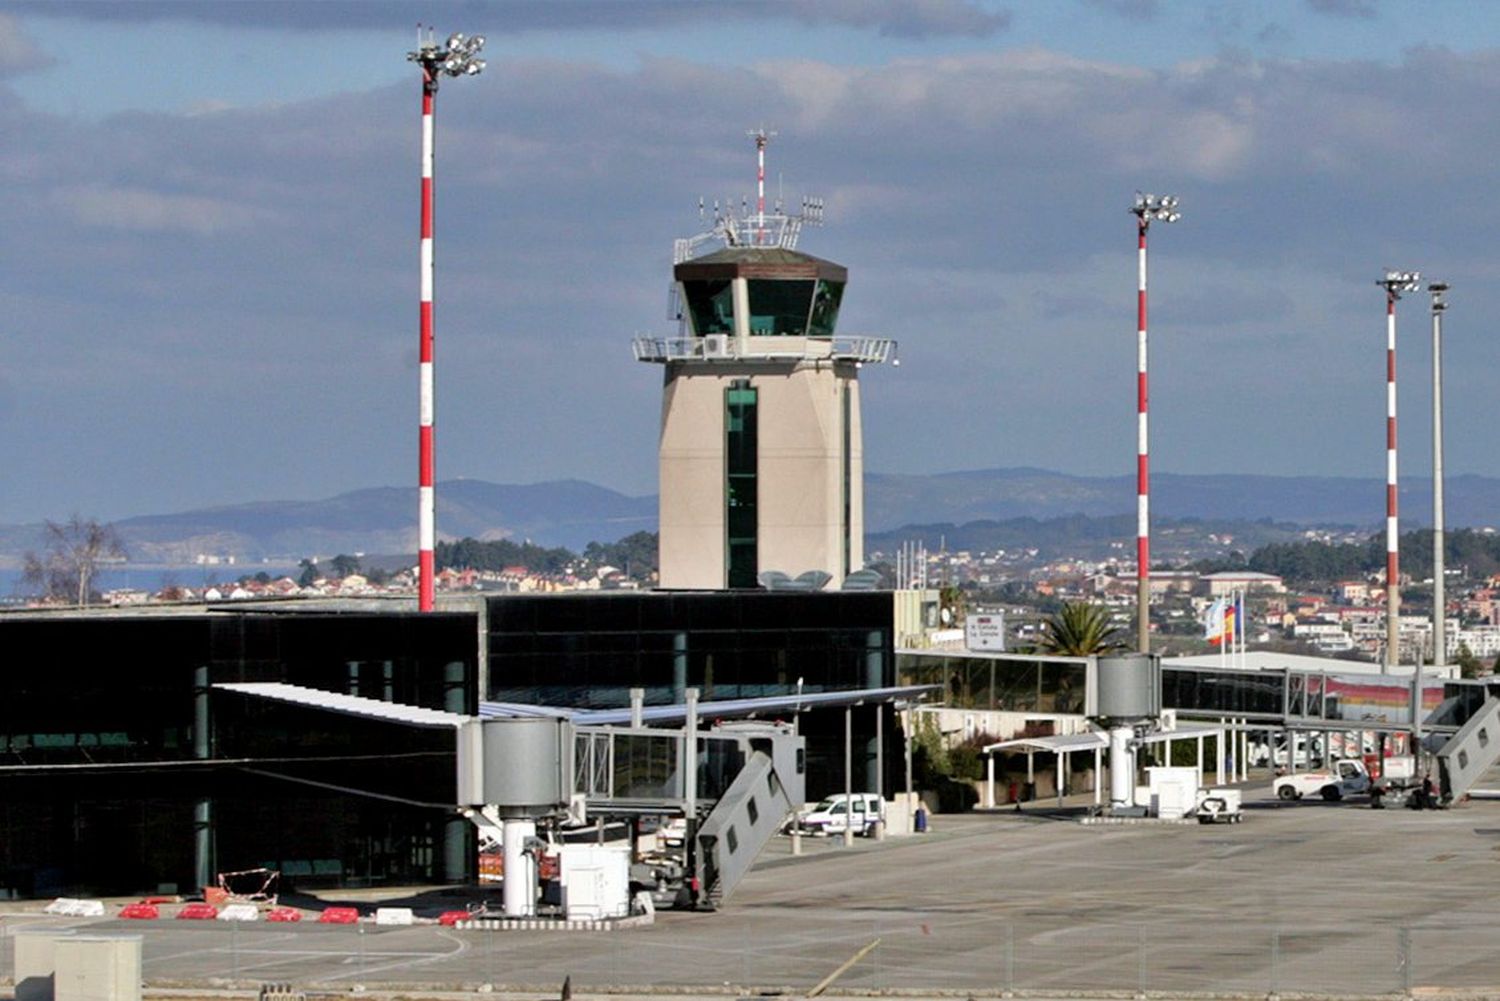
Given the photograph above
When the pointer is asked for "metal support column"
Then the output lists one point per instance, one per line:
(848, 775)
(874, 678)
(911, 809)
(679, 666)
(458, 854)
(880, 770)
(1098, 787)
(203, 841)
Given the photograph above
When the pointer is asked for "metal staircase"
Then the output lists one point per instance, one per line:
(746, 816)
(1469, 753)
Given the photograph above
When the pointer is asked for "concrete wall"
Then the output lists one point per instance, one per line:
(799, 469)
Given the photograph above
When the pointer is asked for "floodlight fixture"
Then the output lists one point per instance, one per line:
(1438, 289)
(1149, 208)
(458, 56)
(1397, 282)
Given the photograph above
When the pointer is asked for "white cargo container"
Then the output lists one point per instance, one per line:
(595, 881)
(1173, 791)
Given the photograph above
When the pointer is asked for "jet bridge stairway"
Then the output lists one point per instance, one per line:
(1470, 753)
(745, 818)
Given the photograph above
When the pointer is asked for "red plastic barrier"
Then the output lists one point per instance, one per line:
(338, 916)
(160, 900)
(197, 911)
(450, 918)
(283, 914)
(140, 912)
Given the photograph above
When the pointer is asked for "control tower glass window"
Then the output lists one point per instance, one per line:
(740, 454)
(711, 303)
(779, 308)
(825, 308)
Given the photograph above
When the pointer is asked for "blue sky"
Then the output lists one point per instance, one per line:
(210, 267)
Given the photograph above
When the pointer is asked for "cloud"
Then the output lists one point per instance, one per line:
(252, 273)
(144, 211)
(1344, 8)
(1133, 10)
(18, 53)
(896, 18)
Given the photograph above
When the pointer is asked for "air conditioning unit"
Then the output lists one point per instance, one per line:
(717, 346)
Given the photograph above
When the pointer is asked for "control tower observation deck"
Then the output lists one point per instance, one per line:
(761, 454)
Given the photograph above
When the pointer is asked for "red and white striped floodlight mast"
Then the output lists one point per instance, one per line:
(1394, 283)
(1147, 208)
(762, 139)
(458, 56)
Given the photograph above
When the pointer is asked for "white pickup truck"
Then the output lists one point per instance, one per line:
(1347, 777)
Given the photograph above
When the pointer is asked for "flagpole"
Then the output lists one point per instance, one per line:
(1223, 641)
(1239, 626)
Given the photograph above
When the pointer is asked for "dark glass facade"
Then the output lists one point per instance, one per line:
(590, 650)
(117, 697)
(1242, 693)
(1007, 685)
(741, 457)
(333, 799)
(846, 494)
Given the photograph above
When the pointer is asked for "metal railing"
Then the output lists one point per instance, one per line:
(922, 950)
(717, 347)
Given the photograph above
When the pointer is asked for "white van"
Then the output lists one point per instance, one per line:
(832, 815)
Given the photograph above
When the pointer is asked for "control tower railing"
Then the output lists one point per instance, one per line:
(862, 350)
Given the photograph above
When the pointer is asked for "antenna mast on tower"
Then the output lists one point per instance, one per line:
(739, 228)
(762, 140)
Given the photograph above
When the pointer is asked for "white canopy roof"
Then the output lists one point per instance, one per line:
(1070, 742)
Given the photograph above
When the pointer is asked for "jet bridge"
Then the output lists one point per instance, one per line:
(734, 783)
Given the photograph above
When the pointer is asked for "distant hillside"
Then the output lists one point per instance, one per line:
(974, 495)
(568, 513)
(574, 513)
(1078, 535)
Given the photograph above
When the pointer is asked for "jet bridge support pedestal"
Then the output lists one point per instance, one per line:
(1129, 696)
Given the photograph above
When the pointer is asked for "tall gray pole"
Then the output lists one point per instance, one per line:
(1439, 596)
(1439, 582)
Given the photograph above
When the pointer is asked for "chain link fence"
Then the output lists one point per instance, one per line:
(950, 953)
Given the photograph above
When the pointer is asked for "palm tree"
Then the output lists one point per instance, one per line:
(1080, 629)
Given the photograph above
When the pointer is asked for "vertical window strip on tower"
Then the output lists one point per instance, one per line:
(740, 462)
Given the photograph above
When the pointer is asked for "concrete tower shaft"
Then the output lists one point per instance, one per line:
(761, 450)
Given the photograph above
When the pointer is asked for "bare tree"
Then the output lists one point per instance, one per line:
(67, 566)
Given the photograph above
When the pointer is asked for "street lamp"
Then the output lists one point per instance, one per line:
(1394, 283)
(1147, 209)
(1439, 570)
(458, 56)
(1439, 595)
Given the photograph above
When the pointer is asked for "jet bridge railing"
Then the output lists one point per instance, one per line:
(614, 765)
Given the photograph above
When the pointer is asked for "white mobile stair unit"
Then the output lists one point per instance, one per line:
(1470, 752)
(767, 789)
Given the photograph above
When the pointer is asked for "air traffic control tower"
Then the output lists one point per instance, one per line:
(762, 467)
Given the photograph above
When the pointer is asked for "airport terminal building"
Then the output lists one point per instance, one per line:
(124, 770)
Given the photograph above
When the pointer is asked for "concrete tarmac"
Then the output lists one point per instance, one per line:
(1307, 897)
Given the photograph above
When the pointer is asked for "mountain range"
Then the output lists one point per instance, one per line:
(573, 513)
